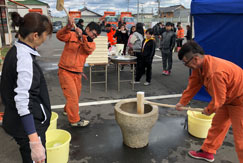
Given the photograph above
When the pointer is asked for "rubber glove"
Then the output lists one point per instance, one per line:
(37, 151)
(70, 23)
(206, 111)
(178, 106)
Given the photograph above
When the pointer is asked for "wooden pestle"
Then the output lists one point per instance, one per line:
(173, 106)
(140, 102)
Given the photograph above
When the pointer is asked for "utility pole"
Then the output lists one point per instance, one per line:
(84, 4)
(158, 8)
(142, 13)
(128, 5)
(137, 11)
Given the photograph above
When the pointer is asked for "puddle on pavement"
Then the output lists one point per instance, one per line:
(104, 143)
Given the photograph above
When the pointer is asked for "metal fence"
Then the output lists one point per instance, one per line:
(146, 21)
(86, 20)
(149, 22)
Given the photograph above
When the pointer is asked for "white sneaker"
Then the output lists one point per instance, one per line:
(146, 83)
(81, 123)
(157, 49)
(135, 82)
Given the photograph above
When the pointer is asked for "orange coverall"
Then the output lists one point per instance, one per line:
(111, 39)
(70, 69)
(223, 80)
(180, 33)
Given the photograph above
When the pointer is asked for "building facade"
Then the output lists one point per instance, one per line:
(88, 15)
(174, 11)
(30, 6)
(22, 7)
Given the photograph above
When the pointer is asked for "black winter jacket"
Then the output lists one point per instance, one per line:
(122, 38)
(148, 50)
(167, 42)
(24, 91)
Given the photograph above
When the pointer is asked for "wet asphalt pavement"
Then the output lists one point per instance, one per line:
(101, 141)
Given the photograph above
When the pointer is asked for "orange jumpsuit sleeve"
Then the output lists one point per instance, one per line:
(217, 90)
(111, 39)
(88, 47)
(64, 34)
(194, 85)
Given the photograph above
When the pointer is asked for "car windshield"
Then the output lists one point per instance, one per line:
(128, 19)
(111, 19)
(57, 23)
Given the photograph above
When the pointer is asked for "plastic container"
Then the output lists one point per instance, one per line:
(57, 146)
(119, 49)
(53, 123)
(199, 124)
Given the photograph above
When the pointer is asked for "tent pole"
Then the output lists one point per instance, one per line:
(190, 70)
(191, 22)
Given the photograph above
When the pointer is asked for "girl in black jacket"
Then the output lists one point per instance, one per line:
(148, 51)
(23, 88)
(122, 37)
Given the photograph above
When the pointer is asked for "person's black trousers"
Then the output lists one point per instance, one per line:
(179, 42)
(146, 66)
(167, 58)
(139, 68)
(24, 147)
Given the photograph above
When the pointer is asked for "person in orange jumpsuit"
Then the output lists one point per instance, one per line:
(180, 36)
(78, 46)
(110, 34)
(223, 81)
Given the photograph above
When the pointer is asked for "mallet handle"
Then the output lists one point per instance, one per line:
(65, 10)
(68, 15)
(173, 106)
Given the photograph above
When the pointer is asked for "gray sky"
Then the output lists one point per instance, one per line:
(99, 6)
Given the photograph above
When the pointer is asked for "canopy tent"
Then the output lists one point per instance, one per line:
(218, 29)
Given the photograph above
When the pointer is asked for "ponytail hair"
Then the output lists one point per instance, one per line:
(30, 23)
(17, 19)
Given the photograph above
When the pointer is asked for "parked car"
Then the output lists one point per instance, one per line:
(57, 25)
